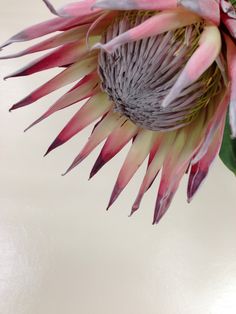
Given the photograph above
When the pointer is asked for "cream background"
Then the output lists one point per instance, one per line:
(62, 253)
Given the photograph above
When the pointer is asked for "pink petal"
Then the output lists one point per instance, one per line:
(230, 24)
(101, 23)
(213, 125)
(207, 9)
(113, 145)
(64, 55)
(155, 147)
(231, 61)
(207, 52)
(73, 9)
(47, 27)
(94, 108)
(137, 154)
(136, 4)
(87, 87)
(228, 16)
(200, 169)
(170, 177)
(163, 201)
(69, 36)
(154, 167)
(177, 162)
(69, 75)
(110, 122)
(157, 24)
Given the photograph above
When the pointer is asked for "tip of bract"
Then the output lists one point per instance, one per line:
(50, 7)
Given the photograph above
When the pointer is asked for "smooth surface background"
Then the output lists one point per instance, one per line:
(62, 253)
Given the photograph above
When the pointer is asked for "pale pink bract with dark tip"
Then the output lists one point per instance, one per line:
(158, 73)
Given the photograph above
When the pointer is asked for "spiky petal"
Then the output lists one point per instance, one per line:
(231, 56)
(200, 61)
(114, 143)
(137, 154)
(69, 75)
(102, 130)
(158, 24)
(200, 169)
(97, 106)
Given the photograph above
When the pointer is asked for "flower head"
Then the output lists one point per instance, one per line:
(158, 73)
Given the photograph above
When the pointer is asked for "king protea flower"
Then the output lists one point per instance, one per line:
(160, 74)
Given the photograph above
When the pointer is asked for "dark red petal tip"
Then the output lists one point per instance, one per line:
(56, 143)
(97, 166)
(115, 193)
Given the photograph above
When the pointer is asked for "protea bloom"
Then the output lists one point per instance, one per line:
(158, 73)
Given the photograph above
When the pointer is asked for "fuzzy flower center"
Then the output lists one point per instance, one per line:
(139, 75)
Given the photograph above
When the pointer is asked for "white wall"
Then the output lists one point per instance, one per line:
(62, 253)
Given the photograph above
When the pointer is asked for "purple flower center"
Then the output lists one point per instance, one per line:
(139, 75)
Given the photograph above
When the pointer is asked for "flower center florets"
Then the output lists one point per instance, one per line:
(139, 75)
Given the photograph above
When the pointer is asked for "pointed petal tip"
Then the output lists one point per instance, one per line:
(56, 143)
(47, 152)
(133, 210)
(189, 200)
(156, 219)
(97, 46)
(14, 107)
(29, 127)
(18, 105)
(5, 44)
(97, 166)
(50, 7)
(191, 193)
(115, 193)
(91, 175)
(67, 171)
(37, 121)
(160, 208)
(111, 202)
(130, 215)
(74, 164)
(100, 46)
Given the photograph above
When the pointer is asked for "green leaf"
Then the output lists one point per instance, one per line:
(228, 148)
